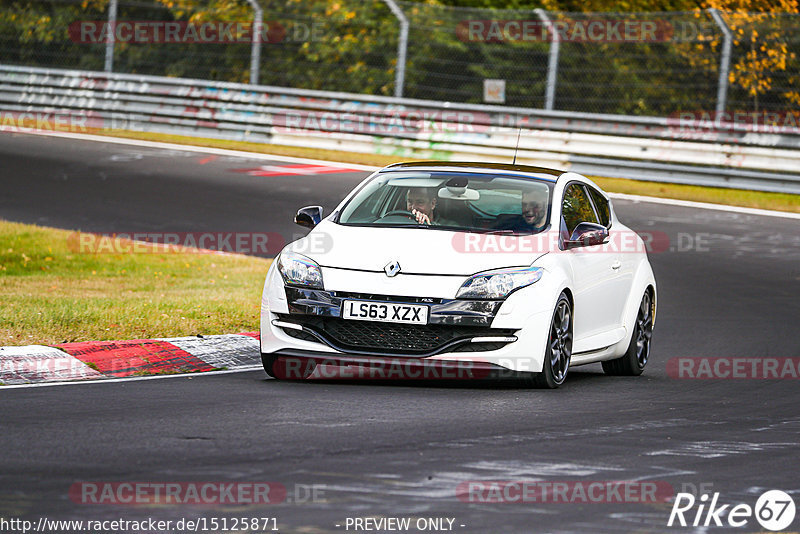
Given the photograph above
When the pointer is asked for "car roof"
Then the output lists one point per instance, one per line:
(476, 166)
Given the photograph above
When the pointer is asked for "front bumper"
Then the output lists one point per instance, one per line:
(509, 334)
(453, 325)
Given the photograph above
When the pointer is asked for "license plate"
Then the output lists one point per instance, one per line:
(387, 312)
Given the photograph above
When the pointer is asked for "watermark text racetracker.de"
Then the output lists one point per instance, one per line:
(382, 369)
(138, 242)
(184, 32)
(625, 241)
(177, 493)
(564, 492)
(583, 30)
(204, 493)
(384, 122)
(698, 122)
(81, 122)
(66, 121)
(734, 368)
(208, 242)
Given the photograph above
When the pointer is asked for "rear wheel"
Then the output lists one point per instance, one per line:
(635, 358)
(558, 353)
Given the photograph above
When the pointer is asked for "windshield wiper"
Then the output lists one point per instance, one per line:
(393, 225)
(495, 231)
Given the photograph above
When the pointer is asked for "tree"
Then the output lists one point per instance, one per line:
(760, 44)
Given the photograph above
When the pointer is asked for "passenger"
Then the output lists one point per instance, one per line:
(533, 214)
(534, 209)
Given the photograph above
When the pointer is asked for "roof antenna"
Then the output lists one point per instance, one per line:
(517, 147)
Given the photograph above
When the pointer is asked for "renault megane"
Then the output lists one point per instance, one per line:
(438, 265)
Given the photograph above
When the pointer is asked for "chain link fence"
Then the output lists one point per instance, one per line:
(649, 64)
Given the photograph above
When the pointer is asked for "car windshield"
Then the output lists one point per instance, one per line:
(472, 202)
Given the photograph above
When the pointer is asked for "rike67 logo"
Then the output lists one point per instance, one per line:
(774, 510)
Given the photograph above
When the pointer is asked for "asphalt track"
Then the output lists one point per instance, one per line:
(728, 286)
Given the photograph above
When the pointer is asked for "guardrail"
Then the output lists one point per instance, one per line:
(660, 149)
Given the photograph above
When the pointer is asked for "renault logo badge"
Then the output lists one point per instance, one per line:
(392, 268)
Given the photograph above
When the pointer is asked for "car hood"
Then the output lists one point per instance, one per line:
(419, 251)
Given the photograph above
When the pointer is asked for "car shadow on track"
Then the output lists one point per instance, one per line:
(495, 382)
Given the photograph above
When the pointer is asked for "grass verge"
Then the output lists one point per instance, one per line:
(714, 195)
(52, 294)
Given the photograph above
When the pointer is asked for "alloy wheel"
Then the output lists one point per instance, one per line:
(644, 330)
(561, 341)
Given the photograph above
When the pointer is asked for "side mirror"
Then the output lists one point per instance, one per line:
(310, 216)
(587, 234)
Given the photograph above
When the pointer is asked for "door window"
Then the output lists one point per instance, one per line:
(602, 207)
(576, 208)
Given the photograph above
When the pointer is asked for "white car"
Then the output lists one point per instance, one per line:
(457, 270)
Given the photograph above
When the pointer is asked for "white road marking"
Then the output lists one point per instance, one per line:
(133, 378)
(193, 148)
(706, 205)
(292, 159)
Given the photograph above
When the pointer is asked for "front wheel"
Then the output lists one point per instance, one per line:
(558, 353)
(287, 368)
(268, 361)
(635, 358)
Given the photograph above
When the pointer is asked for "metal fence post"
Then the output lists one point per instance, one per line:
(112, 35)
(552, 60)
(402, 47)
(255, 50)
(725, 61)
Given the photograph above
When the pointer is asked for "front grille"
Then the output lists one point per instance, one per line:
(300, 334)
(480, 346)
(393, 338)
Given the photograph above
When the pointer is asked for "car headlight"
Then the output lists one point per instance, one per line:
(498, 284)
(297, 270)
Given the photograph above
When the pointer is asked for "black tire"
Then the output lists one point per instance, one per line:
(268, 361)
(282, 368)
(558, 353)
(632, 363)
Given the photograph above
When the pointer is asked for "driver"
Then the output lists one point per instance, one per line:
(421, 201)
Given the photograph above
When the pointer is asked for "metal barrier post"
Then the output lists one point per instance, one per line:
(725, 61)
(552, 61)
(402, 46)
(112, 35)
(255, 51)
